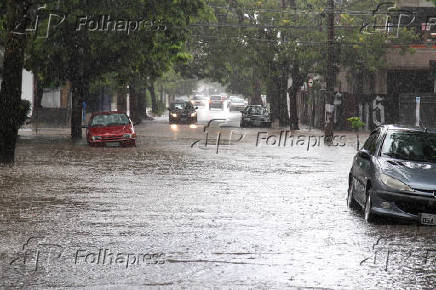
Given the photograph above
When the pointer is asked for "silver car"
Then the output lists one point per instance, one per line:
(394, 174)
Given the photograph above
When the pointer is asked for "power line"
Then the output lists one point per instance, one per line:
(269, 26)
(368, 12)
(311, 43)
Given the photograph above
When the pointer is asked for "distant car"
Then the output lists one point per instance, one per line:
(217, 101)
(236, 103)
(107, 128)
(199, 100)
(255, 115)
(182, 112)
(394, 174)
(181, 99)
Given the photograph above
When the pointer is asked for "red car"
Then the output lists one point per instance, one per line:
(110, 128)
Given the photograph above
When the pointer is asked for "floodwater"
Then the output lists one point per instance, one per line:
(169, 215)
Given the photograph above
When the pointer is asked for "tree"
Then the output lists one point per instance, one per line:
(12, 110)
(81, 54)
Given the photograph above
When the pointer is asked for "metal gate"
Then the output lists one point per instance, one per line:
(417, 106)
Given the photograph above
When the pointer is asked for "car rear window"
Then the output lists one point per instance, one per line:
(215, 98)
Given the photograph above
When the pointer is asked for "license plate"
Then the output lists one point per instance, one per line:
(113, 144)
(428, 219)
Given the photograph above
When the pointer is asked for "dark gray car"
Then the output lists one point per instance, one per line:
(255, 115)
(394, 174)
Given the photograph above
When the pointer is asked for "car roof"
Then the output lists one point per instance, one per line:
(400, 127)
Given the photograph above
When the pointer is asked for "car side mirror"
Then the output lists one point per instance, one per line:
(364, 154)
(196, 108)
(85, 126)
(168, 108)
(136, 123)
(242, 112)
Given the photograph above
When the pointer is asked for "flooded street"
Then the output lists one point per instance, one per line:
(168, 214)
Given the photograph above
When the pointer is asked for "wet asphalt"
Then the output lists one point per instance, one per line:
(175, 213)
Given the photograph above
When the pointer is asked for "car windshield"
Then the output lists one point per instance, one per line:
(178, 106)
(255, 110)
(414, 146)
(109, 120)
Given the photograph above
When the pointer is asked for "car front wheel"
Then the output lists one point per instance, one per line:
(351, 202)
(369, 214)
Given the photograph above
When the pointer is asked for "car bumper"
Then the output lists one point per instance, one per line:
(113, 140)
(183, 119)
(237, 107)
(216, 105)
(256, 122)
(401, 205)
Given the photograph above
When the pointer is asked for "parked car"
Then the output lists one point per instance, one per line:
(394, 174)
(182, 112)
(110, 128)
(217, 101)
(236, 103)
(199, 100)
(255, 115)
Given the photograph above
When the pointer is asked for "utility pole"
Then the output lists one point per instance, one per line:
(331, 74)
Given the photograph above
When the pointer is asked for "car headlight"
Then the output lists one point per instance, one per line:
(194, 114)
(127, 136)
(395, 183)
(174, 115)
(94, 138)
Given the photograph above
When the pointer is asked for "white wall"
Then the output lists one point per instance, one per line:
(51, 98)
(26, 87)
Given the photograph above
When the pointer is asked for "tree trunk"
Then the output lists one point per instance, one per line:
(121, 99)
(297, 82)
(134, 109)
(39, 93)
(257, 92)
(154, 106)
(283, 98)
(140, 105)
(10, 93)
(79, 89)
(274, 99)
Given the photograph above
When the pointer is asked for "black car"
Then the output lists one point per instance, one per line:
(182, 112)
(394, 174)
(255, 115)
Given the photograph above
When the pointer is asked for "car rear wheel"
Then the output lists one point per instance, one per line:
(369, 214)
(351, 202)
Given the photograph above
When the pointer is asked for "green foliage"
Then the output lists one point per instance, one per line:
(356, 123)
